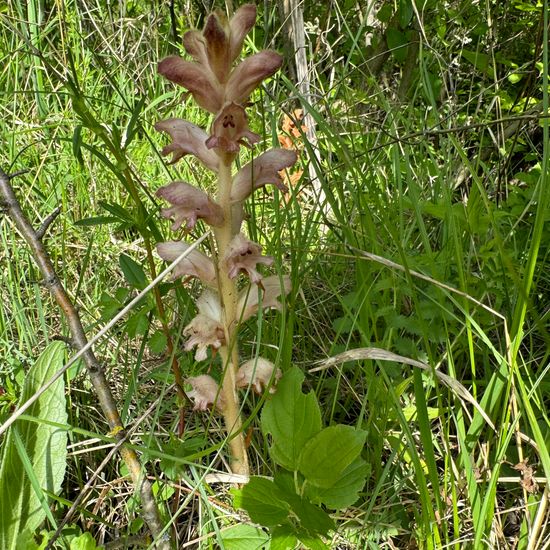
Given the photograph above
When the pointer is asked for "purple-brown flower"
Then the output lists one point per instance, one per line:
(242, 256)
(188, 205)
(187, 139)
(258, 373)
(261, 171)
(195, 264)
(230, 129)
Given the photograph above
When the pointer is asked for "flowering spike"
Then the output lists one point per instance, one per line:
(187, 139)
(189, 203)
(205, 393)
(243, 255)
(230, 128)
(258, 373)
(261, 171)
(195, 264)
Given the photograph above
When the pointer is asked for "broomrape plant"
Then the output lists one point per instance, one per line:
(234, 288)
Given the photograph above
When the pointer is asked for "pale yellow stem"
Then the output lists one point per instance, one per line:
(229, 353)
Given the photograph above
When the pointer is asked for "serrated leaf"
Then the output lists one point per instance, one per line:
(44, 447)
(326, 456)
(346, 488)
(245, 537)
(133, 272)
(137, 324)
(158, 342)
(292, 418)
(263, 501)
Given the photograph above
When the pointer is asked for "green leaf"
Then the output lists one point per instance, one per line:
(44, 449)
(283, 538)
(263, 501)
(312, 518)
(405, 13)
(158, 342)
(137, 324)
(133, 272)
(397, 43)
(84, 542)
(96, 220)
(245, 537)
(479, 60)
(346, 488)
(324, 458)
(118, 212)
(291, 418)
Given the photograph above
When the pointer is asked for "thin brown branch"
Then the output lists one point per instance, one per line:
(95, 371)
(46, 223)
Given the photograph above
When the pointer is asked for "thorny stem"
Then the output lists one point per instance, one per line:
(229, 353)
(95, 370)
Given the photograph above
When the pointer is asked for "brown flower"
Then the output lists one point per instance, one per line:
(189, 203)
(195, 264)
(187, 139)
(261, 171)
(243, 255)
(230, 129)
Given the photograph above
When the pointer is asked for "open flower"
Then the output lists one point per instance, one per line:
(250, 299)
(205, 330)
(261, 171)
(230, 129)
(258, 373)
(243, 255)
(187, 139)
(205, 392)
(195, 264)
(189, 203)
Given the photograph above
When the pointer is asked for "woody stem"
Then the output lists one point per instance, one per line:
(230, 352)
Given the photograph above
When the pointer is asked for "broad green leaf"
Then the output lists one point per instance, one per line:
(346, 488)
(84, 542)
(44, 447)
(479, 60)
(325, 457)
(283, 538)
(245, 537)
(312, 542)
(292, 418)
(133, 272)
(313, 519)
(263, 501)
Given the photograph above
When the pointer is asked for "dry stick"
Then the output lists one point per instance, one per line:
(95, 370)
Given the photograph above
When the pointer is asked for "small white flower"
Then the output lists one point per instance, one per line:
(258, 373)
(205, 393)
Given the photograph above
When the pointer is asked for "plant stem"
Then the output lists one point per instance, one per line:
(230, 352)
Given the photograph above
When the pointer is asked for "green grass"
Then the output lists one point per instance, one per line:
(74, 81)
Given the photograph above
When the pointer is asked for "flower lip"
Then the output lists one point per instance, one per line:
(242, 256)
(230, 129)
(189, 203)
(187, 139)
(203, 332)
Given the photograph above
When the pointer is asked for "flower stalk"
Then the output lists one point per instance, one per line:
(223, 89)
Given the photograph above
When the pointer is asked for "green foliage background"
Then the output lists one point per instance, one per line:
(431, 152)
